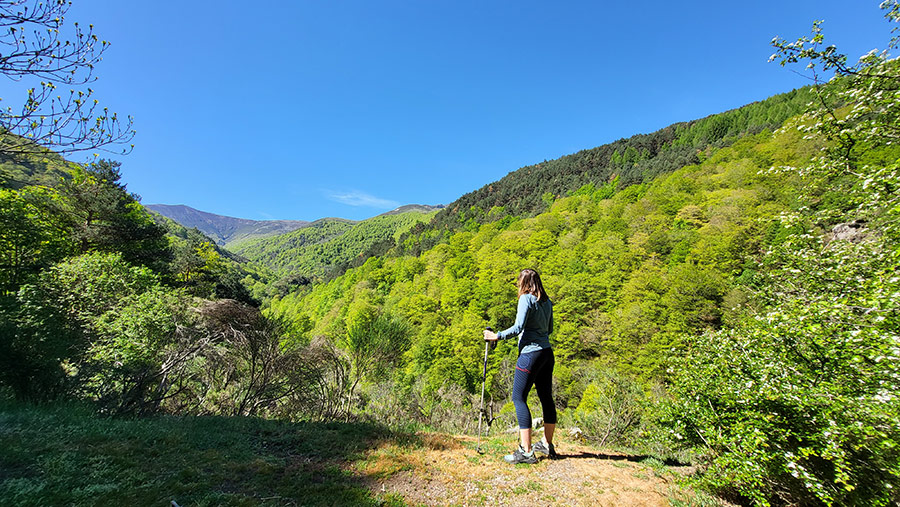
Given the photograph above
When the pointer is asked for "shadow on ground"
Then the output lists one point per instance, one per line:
(66, 455)
(635, 458)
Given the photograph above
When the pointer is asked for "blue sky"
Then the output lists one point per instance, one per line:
(306, 109)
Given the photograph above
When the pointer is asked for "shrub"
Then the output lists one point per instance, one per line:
(53, 323)
(801, 402)
(609, 408)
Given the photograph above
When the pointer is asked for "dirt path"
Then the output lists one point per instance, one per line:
(449, 471)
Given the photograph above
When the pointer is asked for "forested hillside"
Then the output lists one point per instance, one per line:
(631, 272)
(19, 171)
(639, 158)
(330, 244)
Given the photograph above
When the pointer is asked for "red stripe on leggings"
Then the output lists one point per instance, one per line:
(522, 369)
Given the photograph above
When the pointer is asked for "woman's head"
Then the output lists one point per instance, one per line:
(529, 282)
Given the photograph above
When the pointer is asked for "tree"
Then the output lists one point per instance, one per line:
(245, 370)
(142, 351)
(42, 351)
(872, 86)
(29, 240)
(198, 267)
(373, 341)
(103, 216)
(36, 52)
(799, 405)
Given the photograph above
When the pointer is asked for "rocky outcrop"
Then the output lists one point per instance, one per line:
(854, 232)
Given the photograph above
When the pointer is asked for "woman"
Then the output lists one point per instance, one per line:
(534, 323)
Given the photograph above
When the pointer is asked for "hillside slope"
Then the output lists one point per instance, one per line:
(18, 172)
(639, 158)
(628, 270)
(330, 243)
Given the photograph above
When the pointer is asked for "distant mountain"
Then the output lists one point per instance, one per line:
(226, 231)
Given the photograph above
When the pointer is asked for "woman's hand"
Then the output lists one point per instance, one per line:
(490, 336)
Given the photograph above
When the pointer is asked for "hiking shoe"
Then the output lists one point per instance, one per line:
(519, 456)
(545, 449)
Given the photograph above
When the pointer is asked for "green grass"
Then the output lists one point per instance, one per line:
(693, 498)
(65, 455)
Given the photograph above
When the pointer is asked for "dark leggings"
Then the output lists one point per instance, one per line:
(534, 368)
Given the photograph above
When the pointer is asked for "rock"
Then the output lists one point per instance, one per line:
(576, 433)
(854, 232)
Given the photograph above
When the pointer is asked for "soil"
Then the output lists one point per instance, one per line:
(448, 470)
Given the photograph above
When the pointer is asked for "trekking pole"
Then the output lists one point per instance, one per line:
(481, 413)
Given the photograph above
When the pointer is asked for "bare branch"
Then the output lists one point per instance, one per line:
(33, 48)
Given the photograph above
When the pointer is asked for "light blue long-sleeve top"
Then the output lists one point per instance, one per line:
(534, 323)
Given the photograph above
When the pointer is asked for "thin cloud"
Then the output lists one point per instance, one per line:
(357, 198)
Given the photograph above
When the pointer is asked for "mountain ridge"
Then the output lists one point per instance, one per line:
(222, 228)
(228, 231)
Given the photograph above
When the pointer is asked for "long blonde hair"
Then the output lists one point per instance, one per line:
(529, 282)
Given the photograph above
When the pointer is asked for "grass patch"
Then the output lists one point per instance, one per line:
(65, 455)
(658, 466)
(684, 498)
